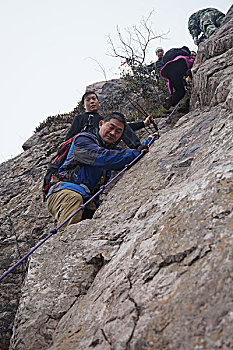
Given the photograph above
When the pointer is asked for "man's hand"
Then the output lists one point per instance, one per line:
(148, 120)
(155, 135)
(143, 149)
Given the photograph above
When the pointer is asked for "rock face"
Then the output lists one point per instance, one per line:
(153, 268)
(23, 216)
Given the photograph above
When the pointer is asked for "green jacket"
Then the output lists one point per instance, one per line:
(200, 20)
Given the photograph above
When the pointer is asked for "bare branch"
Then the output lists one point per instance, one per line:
(134, 45)
(128, 48)
(102, 69)
(114, 52)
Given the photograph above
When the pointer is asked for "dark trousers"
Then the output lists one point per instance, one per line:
(175, 71)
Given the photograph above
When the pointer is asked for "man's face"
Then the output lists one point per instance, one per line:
(159, 53)
(91, 103)
(111, 131)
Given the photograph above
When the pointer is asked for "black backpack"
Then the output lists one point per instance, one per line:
(174, 52)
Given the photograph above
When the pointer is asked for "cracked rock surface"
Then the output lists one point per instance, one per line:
(153, 268)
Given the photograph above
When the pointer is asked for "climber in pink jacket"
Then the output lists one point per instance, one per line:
(178, 64)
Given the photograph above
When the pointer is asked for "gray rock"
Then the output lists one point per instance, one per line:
(153, 268)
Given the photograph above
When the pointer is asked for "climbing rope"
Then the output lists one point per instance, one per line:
(54, 230)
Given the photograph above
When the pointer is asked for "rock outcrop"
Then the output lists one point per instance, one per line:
(153, 268)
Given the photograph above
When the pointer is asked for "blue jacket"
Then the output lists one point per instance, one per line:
(86, 162)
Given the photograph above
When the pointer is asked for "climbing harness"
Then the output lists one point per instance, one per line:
(82, 207)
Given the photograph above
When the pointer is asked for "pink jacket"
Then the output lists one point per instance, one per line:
(189, 61)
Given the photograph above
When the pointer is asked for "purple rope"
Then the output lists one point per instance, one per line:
(27, 255)
(162, 126)
(54, 230)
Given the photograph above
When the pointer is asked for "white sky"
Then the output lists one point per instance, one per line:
(49, 48)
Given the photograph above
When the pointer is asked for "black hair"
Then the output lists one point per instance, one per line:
(87, 93)
(115, 115)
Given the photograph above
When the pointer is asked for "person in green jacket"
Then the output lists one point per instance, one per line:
(204, 21)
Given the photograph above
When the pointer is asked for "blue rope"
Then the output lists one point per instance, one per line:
(82, 207)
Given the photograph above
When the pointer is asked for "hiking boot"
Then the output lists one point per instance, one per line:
(168, 103)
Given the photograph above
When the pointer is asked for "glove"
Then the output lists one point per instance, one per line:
(143, 149)
(196, 40)
(155, 135)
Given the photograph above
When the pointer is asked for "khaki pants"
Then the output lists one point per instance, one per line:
(64, 203)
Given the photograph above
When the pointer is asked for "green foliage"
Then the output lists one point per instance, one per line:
(144, 83)
(160, 111)
(140, 92)
(60, 119)
(115, 102)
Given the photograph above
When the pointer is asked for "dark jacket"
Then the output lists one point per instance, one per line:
(159, 63)
(136, 125)
(129, 137)
(86, 162)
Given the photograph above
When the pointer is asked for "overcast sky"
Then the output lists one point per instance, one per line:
(50, 50)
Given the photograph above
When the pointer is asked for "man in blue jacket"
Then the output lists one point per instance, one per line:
(89, 162)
